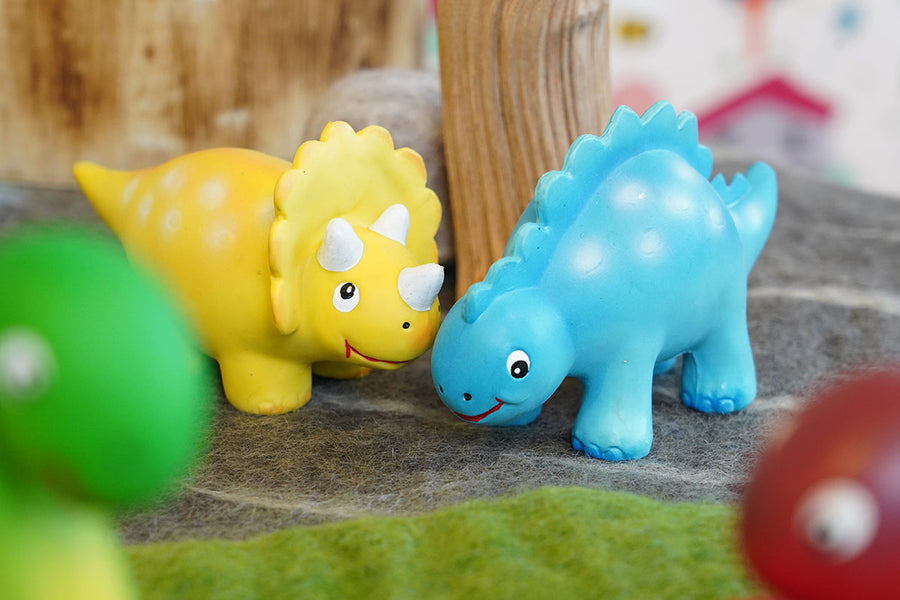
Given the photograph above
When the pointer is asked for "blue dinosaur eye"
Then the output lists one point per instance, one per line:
(518, 364)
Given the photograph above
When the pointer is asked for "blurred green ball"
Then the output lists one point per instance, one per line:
(103, 393)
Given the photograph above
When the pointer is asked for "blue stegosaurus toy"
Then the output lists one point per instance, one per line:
(625, 259)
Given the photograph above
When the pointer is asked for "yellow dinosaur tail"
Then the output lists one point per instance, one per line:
(108, 190)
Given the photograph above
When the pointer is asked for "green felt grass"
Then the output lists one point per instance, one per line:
(548, 543)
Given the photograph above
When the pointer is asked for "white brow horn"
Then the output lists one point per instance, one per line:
(419, 286)
(393, 223)
(341, 248)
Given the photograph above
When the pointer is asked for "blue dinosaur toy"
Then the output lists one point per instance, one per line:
(625, 259)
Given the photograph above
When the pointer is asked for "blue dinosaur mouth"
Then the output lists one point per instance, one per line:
(476, 418)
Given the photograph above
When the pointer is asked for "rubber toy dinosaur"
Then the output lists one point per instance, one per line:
(821, 514)
(625, 259)
(325, 265)
(103, 402)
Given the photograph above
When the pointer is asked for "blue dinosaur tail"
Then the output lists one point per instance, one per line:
(752, 199)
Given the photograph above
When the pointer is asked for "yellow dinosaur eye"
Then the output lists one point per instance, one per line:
(346, 297)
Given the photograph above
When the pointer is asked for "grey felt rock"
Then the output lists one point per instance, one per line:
(824, 296)
(408, 104)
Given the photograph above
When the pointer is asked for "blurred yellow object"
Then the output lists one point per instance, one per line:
(60, 550)
(324, 265)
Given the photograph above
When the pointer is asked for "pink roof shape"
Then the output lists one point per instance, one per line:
(776, 91)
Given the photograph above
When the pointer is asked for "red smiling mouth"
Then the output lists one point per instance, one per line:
(352, 350)
(476, 418)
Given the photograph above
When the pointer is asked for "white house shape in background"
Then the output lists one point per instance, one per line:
(774, 121)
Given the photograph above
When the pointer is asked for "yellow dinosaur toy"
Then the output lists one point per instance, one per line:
(326, 265)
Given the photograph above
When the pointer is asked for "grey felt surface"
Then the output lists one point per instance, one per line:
(824, 296)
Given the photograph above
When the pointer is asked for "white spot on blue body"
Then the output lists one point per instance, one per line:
(588, 258)
(629, 196)
(716, 218)
(650, 243)
(679, 204)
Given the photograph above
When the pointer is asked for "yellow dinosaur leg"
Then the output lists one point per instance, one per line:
(265, 385)
(338, 370)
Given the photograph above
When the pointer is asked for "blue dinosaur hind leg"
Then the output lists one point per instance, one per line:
(719, 375)
(615, 421)
(664, 366)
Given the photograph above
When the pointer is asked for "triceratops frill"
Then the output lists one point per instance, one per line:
(625, 259)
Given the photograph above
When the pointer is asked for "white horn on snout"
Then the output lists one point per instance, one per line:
(341, 248)
(393, 223)
(419, 286)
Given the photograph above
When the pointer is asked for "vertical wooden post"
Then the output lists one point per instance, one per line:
(521, 79)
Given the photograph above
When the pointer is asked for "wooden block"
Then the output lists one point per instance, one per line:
(134, 83)
(521, 79)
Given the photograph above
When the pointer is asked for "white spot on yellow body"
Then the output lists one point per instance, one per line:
(213, 194)
(144, 207)
(173, 180)
(265, 214)
(128, 192)
(171, 223)
(221, 236)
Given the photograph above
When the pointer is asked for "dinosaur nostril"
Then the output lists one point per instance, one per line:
(467, 396)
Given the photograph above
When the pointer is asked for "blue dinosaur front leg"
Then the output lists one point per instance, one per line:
(615, 421)
(719, 374)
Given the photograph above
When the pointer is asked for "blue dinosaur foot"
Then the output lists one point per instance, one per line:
(719, 382)
(610, 453)
(711, 404)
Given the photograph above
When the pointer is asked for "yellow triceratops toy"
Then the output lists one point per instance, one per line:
(326, 265)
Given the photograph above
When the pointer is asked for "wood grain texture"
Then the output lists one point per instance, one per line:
(521, 79)
(132, 83)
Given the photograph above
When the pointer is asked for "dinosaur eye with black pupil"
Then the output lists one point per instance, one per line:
(517, 364)
(519, 369)
(345, 297)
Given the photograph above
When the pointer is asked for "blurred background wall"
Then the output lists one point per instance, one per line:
(810, 83)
